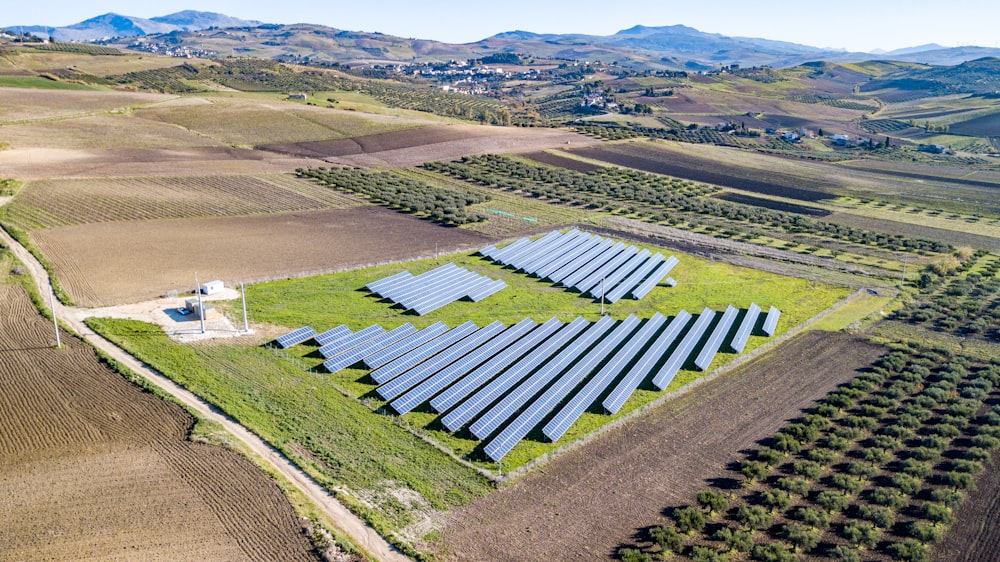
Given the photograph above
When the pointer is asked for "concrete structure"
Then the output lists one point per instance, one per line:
(212, 287)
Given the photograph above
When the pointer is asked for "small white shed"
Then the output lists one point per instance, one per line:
(211, 287)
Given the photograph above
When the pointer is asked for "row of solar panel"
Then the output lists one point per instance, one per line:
(430, 291)
(516, 377)
(588, 263)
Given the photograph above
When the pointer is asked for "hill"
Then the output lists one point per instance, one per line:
(116, 25)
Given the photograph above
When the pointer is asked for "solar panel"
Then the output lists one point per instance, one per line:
(746, 327)
(499, 254)
(612, 278)
(355, 354)
(439, 296)
(539, 248)
(595, 276)
(403, 363)
(492, 391)
(583, 260)
(567, 416)
(563, 244)
(771, 322)
(357, 338)
(419, 373)
(654, 278)
(424, 285)
(333, 335)
(413, 341)
(634, 278)
(488, 370)
(422, 392)
(515, 257)
(597, 262)
(649, 359)
(489, 289)
(375, 285)
(711, 347)
(515, 400)
(296, 337)
(584, 244)
(398, 287)
(488, 250)
(683, 351)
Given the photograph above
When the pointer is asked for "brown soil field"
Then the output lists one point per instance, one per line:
(953, 237)
(93, 468)
(54, 203)
(696, 168)
(119, 262)
(772, 204)
(122, 131)
(585, 503)
(402, 149)
(20, 104)
(55, 163)
(553, 159)
(975, 535)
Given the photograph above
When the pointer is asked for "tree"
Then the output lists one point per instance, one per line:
(706, 554)
(833, 501)
(667, 538)
(753, 470)
(735, 539)
(628, 554)
(910, 550)
(689, 519)
(773, 552)
(775, 499)
(755, 517)
(883, 517)
(862, 535)
(959, 480)
(886, 141)
(812, 517)
(925, 532)
(712, 501)
(937, 513)
(804, 538)
(844, 553)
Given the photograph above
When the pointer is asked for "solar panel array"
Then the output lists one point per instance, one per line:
(296, 337)
(771, 322)
(587, 263)
(430, 291)
(502, 383)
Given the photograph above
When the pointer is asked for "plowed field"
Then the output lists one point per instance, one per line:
(975, 536)
(92, 468)
(583, 505)
(118, 262)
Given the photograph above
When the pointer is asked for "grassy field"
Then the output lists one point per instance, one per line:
(39, 83)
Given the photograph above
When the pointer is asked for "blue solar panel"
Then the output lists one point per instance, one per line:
(488, 250)
(539, 248)
(520, 395)
(563, 244)
(492, 391)
(397, 366)
(355, 354)
(422, 392)
(594, 279)
(654, 278)
(406, 285)
(499, 254)
(634, 278)
(357, 338)
(487, 290)
(683, 351)
(649, 359)
(567, 416)
(498, 447)
(771, 322)
(604, 257)
(612, 278)
(296, 337)
(429, 284)
(515, 257)
(439, 296)
(746, 327)
(375, 286)
(488, 370)
(711, 347)
(333, 335)
(413, 341)
(585, 243)
(583, 261)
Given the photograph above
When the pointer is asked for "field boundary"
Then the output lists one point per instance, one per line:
(742, 359)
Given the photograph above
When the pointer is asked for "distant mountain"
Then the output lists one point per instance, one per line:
(116, 25)
(979, 76)
(911, 50)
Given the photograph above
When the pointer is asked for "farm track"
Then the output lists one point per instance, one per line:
(587, 502)
(266, 538)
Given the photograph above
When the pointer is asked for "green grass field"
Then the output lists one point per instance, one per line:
(39, 83)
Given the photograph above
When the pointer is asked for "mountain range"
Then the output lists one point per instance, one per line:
(672, 47)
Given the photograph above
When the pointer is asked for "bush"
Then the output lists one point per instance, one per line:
(977, 454)
(917, 469)
(972, 467)
(959, 480)
(948, 497)
(769, 456)
(667, 538)
(738, 540)
(808, 469)
(897, 431)
(796, 486)
(787, 443)
(713, 501)
(945, 430)
(775, 499)
(934, 442)
(889, 497)
(883, 517)
(925, 532)
(773, 553)
(985, 441)
(910, 550)
(924, 454)
(706, 554)
(754, 517)
(860, 534)
(937, 513)
(627, 554)
(689, 519)
(847, 483)
(822, 456)
(862, 470)
(804, 538)
(833, 501)
(812, 517)
(753, 470)
(838, 443)
(804, 433)
(844, 553)
(906, 484)
(876, 456)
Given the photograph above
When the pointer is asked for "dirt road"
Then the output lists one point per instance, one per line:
(359, 532)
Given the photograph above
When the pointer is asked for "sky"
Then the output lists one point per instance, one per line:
(854, 25)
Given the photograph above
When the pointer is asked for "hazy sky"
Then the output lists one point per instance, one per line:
(857, 25)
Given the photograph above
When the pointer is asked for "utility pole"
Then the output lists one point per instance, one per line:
(201, 308)
(246, 324)
(55, 323)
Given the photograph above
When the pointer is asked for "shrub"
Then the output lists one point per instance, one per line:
(906, 484)
(945, 430)
(861, 422)
(808, 469)
(862, 470)
(924, 454)
(909, 420)
(959, 480)
(753, 470)
(972, 467)
(804, 433)
(937, 513)
(948, 497)
(847, 483)
(925, 532)
(796, 486)
(897, 431)
(847, 432)
(833, 501)
(769, 456)
(812, 517)
(876, 456)
(860, 534)
(804, 538)
(628, 554)
(735, 539)
(689, 519)
(775, 499)
(915, 468)
(910, 550)
(822, 456)
(713, 501)
(977, 454)
(887, 442)
(985, 441)
(889, 497)
(883, 517)
(667, 538)
(844, 553)
(838, 443)
(754, 517)
(787, 443)
(934, 442)
(773, 553)
(706, 554)
(818, 421)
